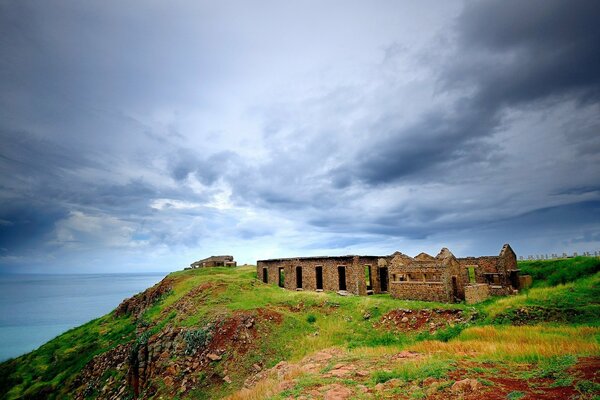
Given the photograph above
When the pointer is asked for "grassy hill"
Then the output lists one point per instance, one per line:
(219, 332)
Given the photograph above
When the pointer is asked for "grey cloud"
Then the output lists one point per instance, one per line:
(527, 51)
(182, 127)
(505, 57)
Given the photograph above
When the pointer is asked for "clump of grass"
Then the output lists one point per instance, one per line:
(311, 319)
(516, 395)
(585, 387)
(443, 335)
(554, 368)
(485, 382)
(415, 370)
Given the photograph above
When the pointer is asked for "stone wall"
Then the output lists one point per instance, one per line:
(354, 267)
(500, 290)
(525, 281)
(441, 278)
(476, 293)
(425, 291)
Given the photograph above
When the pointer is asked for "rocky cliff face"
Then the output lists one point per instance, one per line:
(174, 360)
(139, 303)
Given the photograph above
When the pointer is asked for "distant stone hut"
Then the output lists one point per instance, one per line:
(443, 278)
(215, 261)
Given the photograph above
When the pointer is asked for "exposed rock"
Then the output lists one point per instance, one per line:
(337, 392)
(466, 386)
(213, 357)
(137, 304)
(341, 370)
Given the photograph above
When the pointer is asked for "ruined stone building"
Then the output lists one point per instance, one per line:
(443, 278)
(215, 261)
(354, 274)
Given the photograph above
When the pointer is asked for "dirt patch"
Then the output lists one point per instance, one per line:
(587, 368)
(421, 320)
(501, 382)
(266, 314)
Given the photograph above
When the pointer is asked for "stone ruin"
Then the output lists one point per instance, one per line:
(214, 261)
(443, 278)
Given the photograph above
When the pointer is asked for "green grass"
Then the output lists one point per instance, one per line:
(54, 365)
(574, 302)
(566, 292)
(554, 272)
(516, 395)
(415, 371)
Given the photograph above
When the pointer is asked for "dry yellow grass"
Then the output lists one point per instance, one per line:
(269, 387)
(517, 343)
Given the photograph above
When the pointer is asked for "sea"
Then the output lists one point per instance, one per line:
(36, 308)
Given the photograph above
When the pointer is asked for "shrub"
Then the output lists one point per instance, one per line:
(311, 319)
(195, 339)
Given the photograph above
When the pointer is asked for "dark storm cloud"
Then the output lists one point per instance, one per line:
(536, 49)
(508, 54)
(426, 146)
(27, 227)
(148, 130)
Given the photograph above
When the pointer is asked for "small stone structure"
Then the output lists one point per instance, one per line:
(215, 261)
(443, 278)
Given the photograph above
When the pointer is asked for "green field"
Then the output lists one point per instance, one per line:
(541, 342)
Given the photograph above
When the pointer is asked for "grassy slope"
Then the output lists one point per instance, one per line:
(314, 321)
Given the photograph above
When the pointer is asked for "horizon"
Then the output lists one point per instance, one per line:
(141, 137)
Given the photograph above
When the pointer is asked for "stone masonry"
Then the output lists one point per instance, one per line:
(443, 278)
(343, 273)
(476, 293)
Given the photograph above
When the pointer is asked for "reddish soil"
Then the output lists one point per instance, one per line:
(420, 320)
(587, 368)
(504, 381)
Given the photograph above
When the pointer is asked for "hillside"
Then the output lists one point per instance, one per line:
(220, 333)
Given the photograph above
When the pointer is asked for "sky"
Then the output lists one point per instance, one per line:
(144, 135)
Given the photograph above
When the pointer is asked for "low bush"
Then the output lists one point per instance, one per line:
(195, 339)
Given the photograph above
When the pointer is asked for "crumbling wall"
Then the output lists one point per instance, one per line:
(483, 265)
(425, 291)
(441, 278)
(525, 281)
(354, 267)
(476, 293)
(500, 290)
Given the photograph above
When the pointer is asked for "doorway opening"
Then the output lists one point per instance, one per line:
(342, 277)
(455, 288)
(383, 278)
(319, 276)
(281, 277)
(298, 277)
(265, 275)
(368, 278)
